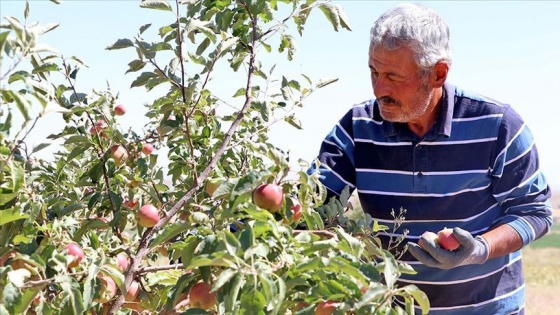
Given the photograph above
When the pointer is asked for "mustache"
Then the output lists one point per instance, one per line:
(389, 100)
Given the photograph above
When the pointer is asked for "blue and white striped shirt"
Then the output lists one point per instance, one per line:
(475, 169)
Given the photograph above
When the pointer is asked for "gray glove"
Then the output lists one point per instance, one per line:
(473, 250)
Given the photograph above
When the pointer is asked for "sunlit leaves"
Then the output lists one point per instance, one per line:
(120, 44)
(156, 4)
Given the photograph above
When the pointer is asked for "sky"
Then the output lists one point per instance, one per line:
(507, 50)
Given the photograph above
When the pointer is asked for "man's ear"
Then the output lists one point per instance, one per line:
(439, 74)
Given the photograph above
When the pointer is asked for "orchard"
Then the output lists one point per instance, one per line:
(223, 224)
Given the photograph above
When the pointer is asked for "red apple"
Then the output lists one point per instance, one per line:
(326, 308)
(269, 197)
(295, 209)
(119, 154)
(122, 261)
(119, 110)
(132, 291)
(447, 240)
(99, 129)
(76, 252)
(430, 235)
(147, 148)
(130, 203)
(108, 289)
(299, 306)
(148, 216)
(201, 297)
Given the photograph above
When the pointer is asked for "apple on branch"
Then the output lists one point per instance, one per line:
(76, 253)
(201, 297)
(148, 216)
(108, 289)
(326, 308)
(147, 148)
(119, 110)
(269, 197)
(119, 154)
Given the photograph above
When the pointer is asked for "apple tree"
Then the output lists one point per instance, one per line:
(219, 221)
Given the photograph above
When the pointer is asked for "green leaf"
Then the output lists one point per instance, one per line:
(11, 215)
(331, 13)
(40, 147)
(135, 65)
(294, 121)
(252, 303)
(224, 277)
(21, 102)
(231, 291)
(188, 251)
(142, 79)
(375, 292)
(168, 232)
(26, 299)
(156, 4)
(19, 75)
(46, 67)
(120, 44)
(144, 27)
(419, 296)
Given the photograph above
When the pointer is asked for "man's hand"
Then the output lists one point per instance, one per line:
(473, 250)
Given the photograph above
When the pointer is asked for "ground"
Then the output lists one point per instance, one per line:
(542, 269)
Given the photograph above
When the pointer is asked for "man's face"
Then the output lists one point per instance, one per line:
(402, 95)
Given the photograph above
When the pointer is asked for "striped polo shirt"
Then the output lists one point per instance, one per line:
(475, 169)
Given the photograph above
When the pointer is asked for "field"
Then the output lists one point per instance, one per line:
(542, 270)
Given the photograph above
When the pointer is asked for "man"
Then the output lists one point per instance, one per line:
(451, 158)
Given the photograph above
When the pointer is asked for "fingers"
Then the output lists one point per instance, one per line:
(422, 255)
(464, 238)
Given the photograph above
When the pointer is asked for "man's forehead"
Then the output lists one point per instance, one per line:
(393, 59)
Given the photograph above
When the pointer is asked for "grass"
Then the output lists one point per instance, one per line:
(550, 240)
(541, 266)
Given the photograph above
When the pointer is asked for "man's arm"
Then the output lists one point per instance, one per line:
(502, 240)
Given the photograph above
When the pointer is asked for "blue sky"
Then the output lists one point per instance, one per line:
(506, 50)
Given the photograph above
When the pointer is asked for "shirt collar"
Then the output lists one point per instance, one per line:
(443, 121)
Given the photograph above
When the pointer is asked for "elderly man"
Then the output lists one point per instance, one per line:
(451, 158)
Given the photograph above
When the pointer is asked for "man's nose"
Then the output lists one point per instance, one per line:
(380, 87)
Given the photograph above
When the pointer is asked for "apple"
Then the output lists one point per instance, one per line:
(119, 154)
(201, 297)
(147, 148)
(122, 261)
(295, 209)
(132, 291)
(429, 235)
(76, 252)
(148, 216)
(299, 306)
(130, 203)
(119, 110)
(213, 184)
(99, 128)
(269, 197)
(447, 240)
(326, 308)
(108, 289)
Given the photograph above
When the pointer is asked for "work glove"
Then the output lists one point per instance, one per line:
(473, 250)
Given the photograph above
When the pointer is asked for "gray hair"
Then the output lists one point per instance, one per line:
(417, 27)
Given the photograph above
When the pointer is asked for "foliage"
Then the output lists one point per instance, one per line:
(258, 262)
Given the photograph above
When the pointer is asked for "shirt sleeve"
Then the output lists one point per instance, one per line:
(519, 186)
(336, 158)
